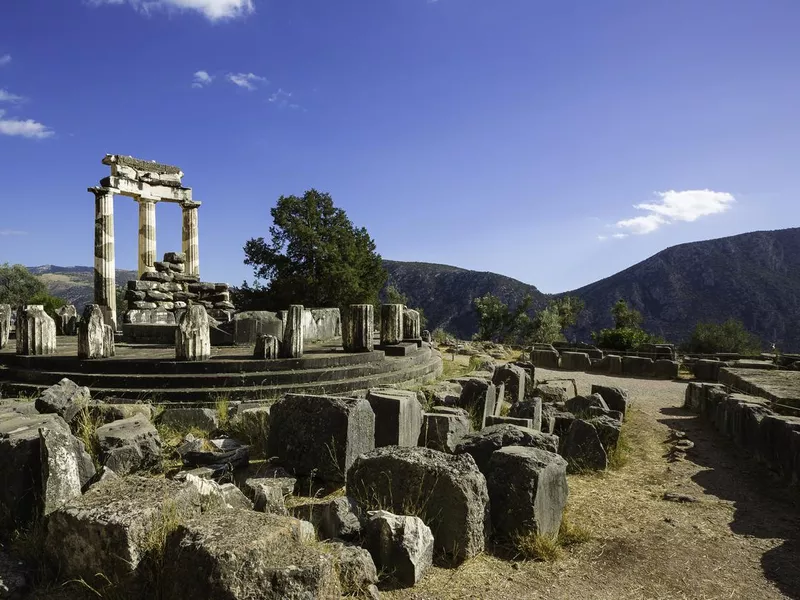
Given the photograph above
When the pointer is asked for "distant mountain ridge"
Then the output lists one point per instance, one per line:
(754, 277)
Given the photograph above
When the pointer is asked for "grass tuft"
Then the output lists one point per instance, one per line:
(621, 453)
(537, 546)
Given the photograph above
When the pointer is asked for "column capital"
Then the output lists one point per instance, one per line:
(187, 204)
(144, 200)
(101, 191)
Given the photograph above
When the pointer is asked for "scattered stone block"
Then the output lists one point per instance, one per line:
(608, 430)
(321, 435)
(193, 338)
(268, 493)
(616, 398)
(482, 444)
(5, 324)
(444, 428)
(492, 420)
(575, 361)
(103, 535)
(545, 358)
(66, 320)
(267, 347)
(551, 394)
(445, 393)
(398, 416)
(252, 425)
(106, 412)
(580, 405)
(183, 419)
(583, 449)
(357, 572)
(666, 369)
(527, 491)
(448, 491)
(240, 554)
(36, 331)
(66, 467)
(707, 369)
(528, 409)
(292, 346)
(549, 413)
(401, 545)
(66, 399)
(514, 378)
(637, 366)
(129, 445)
(339, 518)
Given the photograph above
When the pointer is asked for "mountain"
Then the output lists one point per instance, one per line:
(445, 293)
(753, 277)
(74, 284)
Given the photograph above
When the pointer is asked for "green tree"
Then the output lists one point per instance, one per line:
(730, 336)
(498, 323)
(567, 308)
(315, 257)
(18, 285)
(623, 338)
(50, 303)
(546, 327)
(625, 317)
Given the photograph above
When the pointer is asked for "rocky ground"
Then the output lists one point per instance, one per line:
(732, 533)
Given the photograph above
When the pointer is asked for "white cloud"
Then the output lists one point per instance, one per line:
(201, 79)
(27, 128)
(213, 10)
(247, 81)
(620, 236)
(5, 59)
(6, 96)
(12, 232)
(673, 206)
(281, 99)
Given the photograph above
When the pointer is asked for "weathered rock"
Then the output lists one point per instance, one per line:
(321, 435)
(5, 324)
(268, 493)
(239, 555)
(176, 258)
(482, 444)
(666, 369)
(492, 420)
(529, 409)
(66, 399)
(545, 358)
(637, 366)
(267, 347)
(106, 533)
(401, 545)
(706, 369)
(448, 493)
(411, 325)
(66, 467)
(20, 407)
(575, 361)
(527, 491)
(358, 326)
(339, 518)
(551, 394)
(391, 324)
(583, 449)
(252, 425)
(210, 492)
(129, 445)
(444, 428)
(105, 412)
(608, 430)
(445, 393)
(357, 572)
(36, 331)
(193, 338)
(292, 346)
(226, 454)
(183, 419)
(615, 398)
(514, 379)
(66, 320)
(91, 333)
(579, 405)
(549, 412)
(398, 416)
(426, 336)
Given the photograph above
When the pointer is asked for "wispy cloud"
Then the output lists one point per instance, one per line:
(248, 81)
(282, 99)
(673, 207)
(4, 59)
(6, 96)
(201, 79)
(27, 128)
(213, 10)
(5, 232)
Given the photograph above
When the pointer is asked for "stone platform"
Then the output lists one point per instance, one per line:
(781, 387)
(151, 373)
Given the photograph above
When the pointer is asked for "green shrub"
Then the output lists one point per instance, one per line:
(730, 336)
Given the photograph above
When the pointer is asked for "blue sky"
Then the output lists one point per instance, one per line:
(555, 142)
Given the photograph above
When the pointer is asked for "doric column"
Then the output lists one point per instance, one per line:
(147, 235)
(191, 241)
(391, 324)
(105, 293)
(292, 346)
(358, 327)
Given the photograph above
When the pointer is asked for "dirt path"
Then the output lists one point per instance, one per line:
(739, 539)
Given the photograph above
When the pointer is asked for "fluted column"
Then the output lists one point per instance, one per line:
(105, 293)
(190, 237)
(147, 235)
(292, 346)
(391, 324)
(358, 327)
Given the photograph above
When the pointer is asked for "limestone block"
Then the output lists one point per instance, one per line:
(398, 416)
(93, 338)
(494, 420)
(129, 445)
(546, 359)
(448, 490)
(66, 399)
(66, 320)
(579, 405)
(252, 425)
(358, 325)
(268, 493)
(608, 430)
(400, 545)
(443, 429)
(527, 491)
(411, 325)
(391, 324)
(176, 258)
(616, 398)
(551, 394)
(583, 448)
(357, 572)
(322, 435)
(575, 361)
(66, 468)
(267, 347)
(482, 444)
(36, 331)
(339, 518)
(183, 419)
(637, 366)
(246, 554)
(192, 338)
(5, 324)
(514, 378)
(292, 346)
(528, 409)
(666, 369)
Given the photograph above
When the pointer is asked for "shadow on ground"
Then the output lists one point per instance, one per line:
(764, 506)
